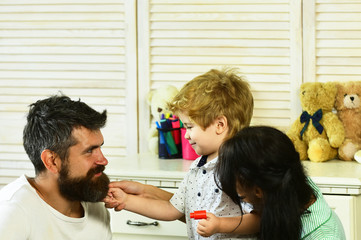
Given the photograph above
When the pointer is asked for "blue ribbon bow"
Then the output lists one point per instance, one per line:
(316, 117)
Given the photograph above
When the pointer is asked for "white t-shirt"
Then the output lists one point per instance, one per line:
(199, 191)
(25, 216)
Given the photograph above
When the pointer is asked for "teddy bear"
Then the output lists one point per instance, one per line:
(348, 106)
(157, 100)
(318, 132)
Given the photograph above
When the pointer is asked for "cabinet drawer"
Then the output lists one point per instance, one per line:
(164, 228)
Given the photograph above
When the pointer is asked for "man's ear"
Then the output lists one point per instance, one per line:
(221, 124)
(50, 160)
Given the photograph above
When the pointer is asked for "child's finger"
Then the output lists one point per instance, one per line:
(116, 192)
(209, 215)
(111, 204)
(119, 207)
(199, 231)
(202, 223)
(202, 232)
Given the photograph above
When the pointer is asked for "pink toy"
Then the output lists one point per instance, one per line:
(201, 214)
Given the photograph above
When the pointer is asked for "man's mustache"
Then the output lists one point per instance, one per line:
(96, 170)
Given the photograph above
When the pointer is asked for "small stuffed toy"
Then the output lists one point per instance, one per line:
(348, 106)
(158, 99)
(358, 156)
(318, 132)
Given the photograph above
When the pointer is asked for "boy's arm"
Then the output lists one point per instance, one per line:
(246, 225)
(153, 208)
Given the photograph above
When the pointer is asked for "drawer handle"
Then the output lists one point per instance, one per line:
(129, 222)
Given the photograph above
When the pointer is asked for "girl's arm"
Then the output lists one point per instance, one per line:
(153, 208)
(246, 225)
(143, 190)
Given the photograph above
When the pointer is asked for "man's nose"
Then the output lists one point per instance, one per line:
(101, 160)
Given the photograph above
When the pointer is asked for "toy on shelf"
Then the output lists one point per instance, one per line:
(348, 106)
(157, 100)
(169, 128)
(318, 132)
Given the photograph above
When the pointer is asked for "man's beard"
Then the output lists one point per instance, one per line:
(84, 188)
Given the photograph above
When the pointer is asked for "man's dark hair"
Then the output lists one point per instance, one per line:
(50, 123)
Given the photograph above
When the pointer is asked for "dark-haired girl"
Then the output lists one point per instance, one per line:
(260, 165)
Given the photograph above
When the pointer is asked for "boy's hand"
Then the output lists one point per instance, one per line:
(208, 227)
(116, 199)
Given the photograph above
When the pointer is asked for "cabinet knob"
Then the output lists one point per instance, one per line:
(135, 223)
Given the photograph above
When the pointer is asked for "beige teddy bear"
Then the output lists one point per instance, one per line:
(348, 106)
(158, 99)
(318, 132)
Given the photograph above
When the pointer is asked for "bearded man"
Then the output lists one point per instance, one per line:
(63, 140)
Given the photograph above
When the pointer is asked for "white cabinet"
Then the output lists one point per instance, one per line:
(339, 181)
(348, 209)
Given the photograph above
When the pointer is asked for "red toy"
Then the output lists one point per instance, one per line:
(201, 214)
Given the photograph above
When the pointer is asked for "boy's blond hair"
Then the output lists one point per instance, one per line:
(213, 94)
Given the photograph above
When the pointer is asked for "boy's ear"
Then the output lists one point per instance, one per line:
(221, 124)
(51, 161)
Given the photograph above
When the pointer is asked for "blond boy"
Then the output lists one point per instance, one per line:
(213, 107)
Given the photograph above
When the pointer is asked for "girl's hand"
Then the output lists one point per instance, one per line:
(130, 187)
(116, 199)
(208, 227)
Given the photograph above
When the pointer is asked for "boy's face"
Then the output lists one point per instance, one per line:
(204, 142)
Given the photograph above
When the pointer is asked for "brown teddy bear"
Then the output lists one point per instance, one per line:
(348, 106)
(318, 132)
